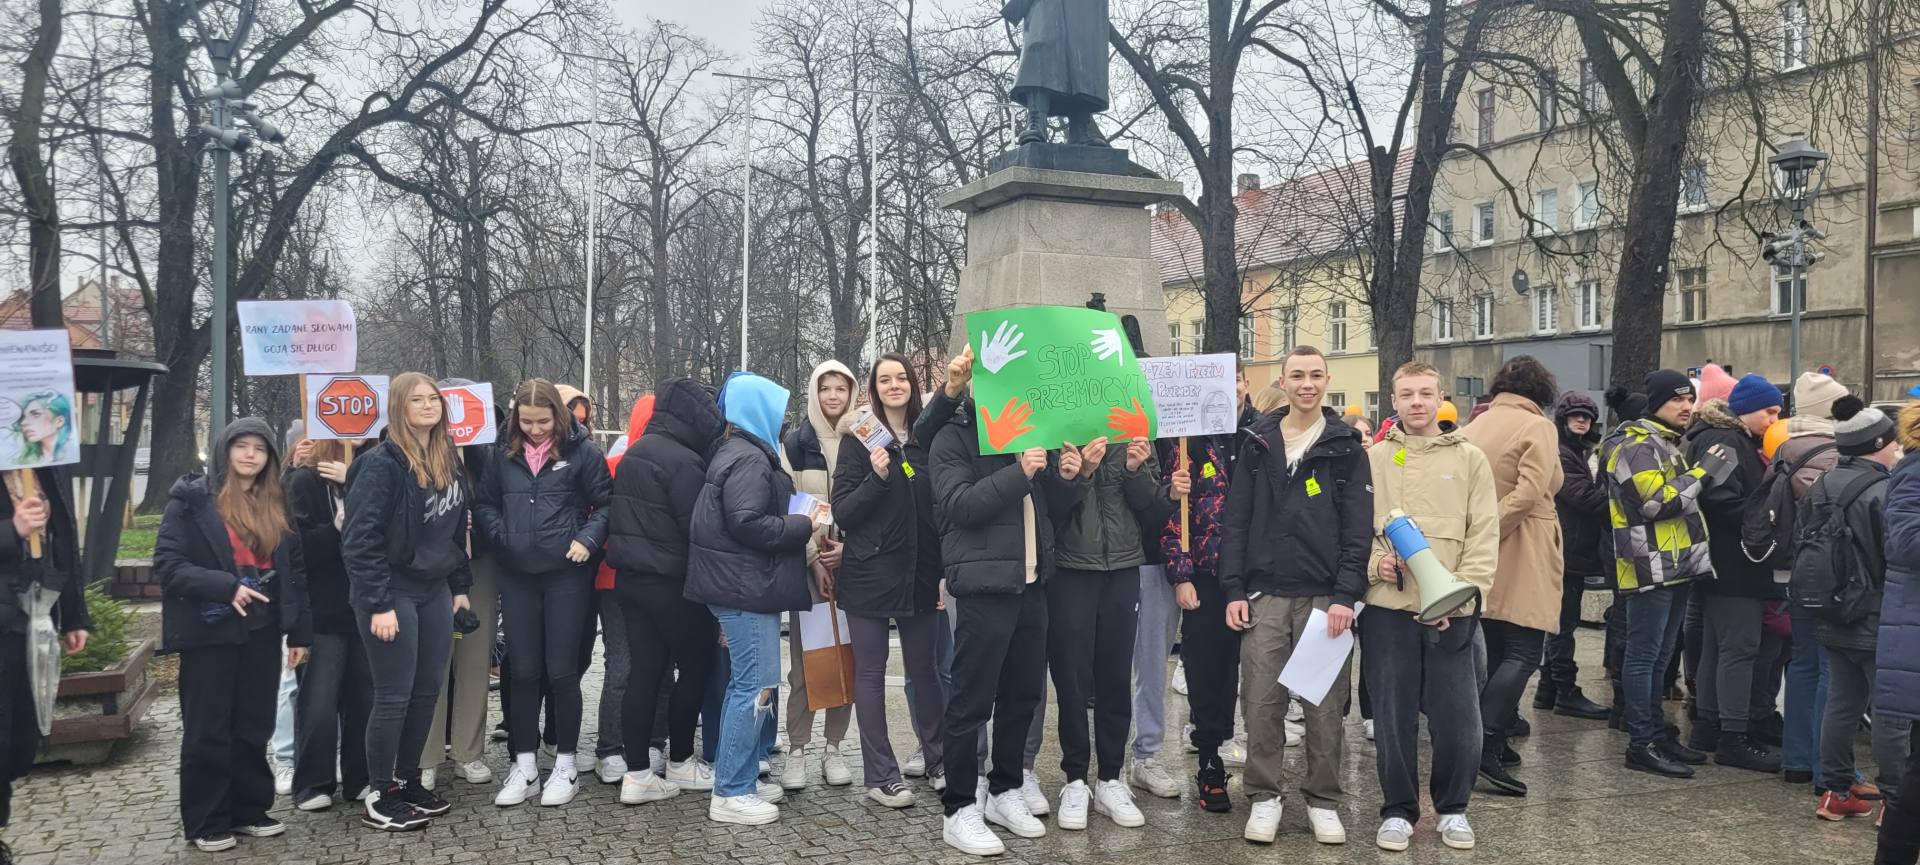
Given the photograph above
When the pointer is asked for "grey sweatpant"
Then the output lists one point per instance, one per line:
(1730, 643)
(870, 649)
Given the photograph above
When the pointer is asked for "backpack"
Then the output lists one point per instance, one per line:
(1766, 525)
(1830, 576)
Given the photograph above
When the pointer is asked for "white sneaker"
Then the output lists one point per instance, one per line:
(429, 778)
(519, 786)
(769, 792)
(915, 766)
(1180, 679)
(1009, 809)
(1233, 753)
(475, 772)
(1394, 835)
(639, 788)
(1074, 799)
(1186, 739)
(793, 772)
(1296, 732)
(834, 768)
(656, 760)
(216, 843)
(1366, 729)
(938, 782)
(966, 832)
(283, 781)
(748, 810)
(1327, 828)
(1295, 712)
(694, 774)
(612, 770)
(1455, 833)
(1264, 822)
(1113, 799)
(1150, 777)
(1030, 791)
(315, 802)
(893, 795)
(562, 786)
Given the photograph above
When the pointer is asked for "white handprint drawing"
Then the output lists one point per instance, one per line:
(1106, 344)
(997, 352)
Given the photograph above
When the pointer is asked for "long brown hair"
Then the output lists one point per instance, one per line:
(330, 451)
(257, 514)
(878, 408)
(434, 464)
(540, 393)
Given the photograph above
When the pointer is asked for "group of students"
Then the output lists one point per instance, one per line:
(381, 571)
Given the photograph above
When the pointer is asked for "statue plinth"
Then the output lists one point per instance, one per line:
(1042, 236)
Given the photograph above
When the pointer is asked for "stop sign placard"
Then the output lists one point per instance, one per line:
(346, 406)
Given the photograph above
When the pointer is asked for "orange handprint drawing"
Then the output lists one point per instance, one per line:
(1010, 425)
(1128, 425)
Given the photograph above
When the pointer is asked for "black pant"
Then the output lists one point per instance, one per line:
(1693, 641)
(1513, 653)
(544, 614)
(228, 698)
(664, 631)
(330, 717)
(407, 673)
(1730, 642)
(1900, 825)
(1210, 651)
(19, 725)
(1092, 616)
(1559, 672)
(999, 650)
(1417, 669)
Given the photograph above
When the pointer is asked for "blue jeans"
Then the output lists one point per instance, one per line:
(1654, 617)
(1152, 643)
(1806, 695)
(753, 647)
(282, 742)
(715, 701)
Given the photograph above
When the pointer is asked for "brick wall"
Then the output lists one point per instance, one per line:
(134, 580)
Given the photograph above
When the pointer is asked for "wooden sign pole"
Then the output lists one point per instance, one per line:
(1186, 510)
(24, 485)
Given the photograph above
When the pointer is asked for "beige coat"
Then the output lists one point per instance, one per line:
(1524, 448)
(1446, 485)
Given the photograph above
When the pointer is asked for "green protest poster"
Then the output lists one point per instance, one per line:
(1044, 375)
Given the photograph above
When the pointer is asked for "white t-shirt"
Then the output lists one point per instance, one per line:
(1297, 446)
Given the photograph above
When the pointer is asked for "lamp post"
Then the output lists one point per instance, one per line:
(746, 196)
(873, 219)
(1796, 185)
(593, 213)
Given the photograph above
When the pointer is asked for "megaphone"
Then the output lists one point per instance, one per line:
(1441, 592)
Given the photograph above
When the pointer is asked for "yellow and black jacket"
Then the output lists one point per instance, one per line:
(1653, 501)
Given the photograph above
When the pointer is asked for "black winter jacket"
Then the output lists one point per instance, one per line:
(746, 551)
(1867, 519)
(891, 566)
(310, 501)
(978, 502)
(59, 565)
(1724, 504)
(1304, 534)
(531, 521)
(1582, 503)
(384, 509)
(651, 516)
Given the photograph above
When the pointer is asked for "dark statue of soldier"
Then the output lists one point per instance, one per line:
(1063, 66)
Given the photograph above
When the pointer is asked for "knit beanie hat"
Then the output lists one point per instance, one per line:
(1662, 385)
(1813, 395)
(1715, 383)
(1753, 393)
(1859, 429)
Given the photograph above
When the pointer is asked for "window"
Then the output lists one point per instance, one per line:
(1592, 95)
(1693, 185)
(1483, 115)
(1693, 294)
(1483, 222)
(1483, 316)
(1592, 314)
(1546, 309)
(1443, 229)
(1337, 401)
(1337, 326)
(1246, 337)
(1586, 212)
(1373, 404)
(1783, 293)
(1173, 335)
(1197, 335)
(1794, 35)
(1544, 107)
(1443, 321)
(1286, 330)
(1546, 213)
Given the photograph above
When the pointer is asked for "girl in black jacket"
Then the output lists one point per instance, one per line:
(336, 689)
(407, 573)
(543, 503)
(883, 502)
(233, 586)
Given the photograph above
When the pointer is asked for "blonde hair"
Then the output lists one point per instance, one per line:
(1416, 367)
(435, 464)
(257, 513)
(1269, 398)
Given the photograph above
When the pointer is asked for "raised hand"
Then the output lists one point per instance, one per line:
(881, 461)
(1106, 345)
(999, 351)
(332, 471)
(959, 372)
(1137, 452)
(1070, 462)
(1092, 454)
(1010, 425)
(1032, 460)
(1129, 424)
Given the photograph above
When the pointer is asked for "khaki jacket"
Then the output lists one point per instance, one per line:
(1524, 448)
(1446, 485)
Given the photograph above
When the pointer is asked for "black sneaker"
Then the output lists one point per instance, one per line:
(1647, 758)
(1574, 704)
(1742, 751)
(1797, 776)
(1671, 749)
(1212, 780)
(1705, 736)
(1509, 757)
(389, 812)
(1521, 728)
(1495, 774)
(265, 827)
(422, 799)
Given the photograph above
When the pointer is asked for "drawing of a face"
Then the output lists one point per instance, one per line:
(1216, 415)
(42, 426)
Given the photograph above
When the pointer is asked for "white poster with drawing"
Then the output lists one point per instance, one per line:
(1195, 394)
(39, 414)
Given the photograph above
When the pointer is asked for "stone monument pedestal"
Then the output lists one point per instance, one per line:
(1043, 236)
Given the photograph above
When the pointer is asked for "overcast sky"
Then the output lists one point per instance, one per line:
(728, 24)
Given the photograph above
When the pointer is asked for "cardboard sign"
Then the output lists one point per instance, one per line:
(346, 406)
(39, 414)
(296, 337)
(1194, 395)
(871, 431)
(470, 414)
(1044, 375)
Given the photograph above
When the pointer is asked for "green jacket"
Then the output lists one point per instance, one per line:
(1653, 500)
(1100, 528)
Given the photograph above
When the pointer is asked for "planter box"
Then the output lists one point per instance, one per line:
(94, 711)
(133, 580)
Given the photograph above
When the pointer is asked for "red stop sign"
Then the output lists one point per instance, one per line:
(348, 407)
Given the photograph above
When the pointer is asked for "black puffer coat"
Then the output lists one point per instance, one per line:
(1724, 504)
(891, 566)
(978, 499)
(59, 565)
(1298, 532)
(660, 479)
(384, 510)
(531, 521)
(746, 551)
(1581, 501)
(311, 501)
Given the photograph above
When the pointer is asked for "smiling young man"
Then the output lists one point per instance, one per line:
(1298, 521)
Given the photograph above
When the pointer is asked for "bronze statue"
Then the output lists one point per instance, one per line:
(1063, 66)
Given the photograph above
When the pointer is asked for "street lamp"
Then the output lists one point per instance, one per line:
(593, 211)
(873, 218)
(746, 196)
(1799, 171)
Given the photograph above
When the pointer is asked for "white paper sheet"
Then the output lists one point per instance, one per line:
(1317, 658)
(816, 629)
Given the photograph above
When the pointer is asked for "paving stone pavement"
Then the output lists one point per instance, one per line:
(1583, 808)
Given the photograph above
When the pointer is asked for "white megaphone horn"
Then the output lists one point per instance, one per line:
(1441, 593)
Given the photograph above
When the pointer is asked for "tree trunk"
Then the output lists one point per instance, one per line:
(30, 170)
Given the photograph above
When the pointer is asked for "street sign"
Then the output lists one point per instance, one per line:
(346, 406)
(470, 414)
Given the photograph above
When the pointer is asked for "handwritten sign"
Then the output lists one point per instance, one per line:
(1044, 375)
(1194, 394)
(346, 406)
(39, 415)
(470, 414)
(296, 337)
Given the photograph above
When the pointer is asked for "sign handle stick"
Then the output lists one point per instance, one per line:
(1186, 542)
(24, 485)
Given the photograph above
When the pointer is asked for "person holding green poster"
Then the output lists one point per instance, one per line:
(1297, 532)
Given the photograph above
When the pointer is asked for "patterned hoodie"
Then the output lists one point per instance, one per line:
(1653, 503)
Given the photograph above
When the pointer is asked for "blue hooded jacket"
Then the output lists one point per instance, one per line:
(756, 405)
(746, 552)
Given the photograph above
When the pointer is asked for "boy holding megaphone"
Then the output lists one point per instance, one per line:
(1437, 542)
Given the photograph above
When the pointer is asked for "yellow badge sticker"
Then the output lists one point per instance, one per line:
(1313, 486)
(1400, 457)
(908, 468)
(1206, 470)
